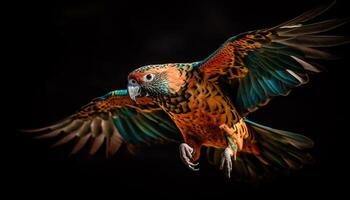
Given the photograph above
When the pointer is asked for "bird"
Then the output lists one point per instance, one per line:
(205, 104)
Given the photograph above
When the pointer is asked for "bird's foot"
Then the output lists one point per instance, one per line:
(234, 138)
(186, 154)
(226, 161)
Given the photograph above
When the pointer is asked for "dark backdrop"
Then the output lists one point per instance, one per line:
(68, 52)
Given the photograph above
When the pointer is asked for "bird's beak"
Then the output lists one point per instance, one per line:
(134, 90)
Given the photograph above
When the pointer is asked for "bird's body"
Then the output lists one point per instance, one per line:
(198, 108)
(207, 102)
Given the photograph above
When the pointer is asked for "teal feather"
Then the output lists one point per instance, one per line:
(272, 62)
(153, 130)
(158, 122)
(243, 97)
(134, 131)
(256, 88)
(274, 71)
(245, 90)
(167, 124)
(145, 127)
(279, 73)
(269, 86)
(268, 76)
(261, 83)
(129, 130)
(111, 94)
(123, 132)
(253, 96)
(253, 64)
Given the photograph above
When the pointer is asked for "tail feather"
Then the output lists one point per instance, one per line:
(277, 149)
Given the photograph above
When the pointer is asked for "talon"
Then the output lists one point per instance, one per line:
(226, 162)
(193, 164)
(193, 168)
(186, 153)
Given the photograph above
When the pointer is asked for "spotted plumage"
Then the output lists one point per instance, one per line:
(205, 103)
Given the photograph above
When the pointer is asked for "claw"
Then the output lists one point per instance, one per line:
(226, 162)
(193, 168)
(186, 153)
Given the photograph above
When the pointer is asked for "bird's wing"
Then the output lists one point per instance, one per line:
(261, 64)
(110, 121)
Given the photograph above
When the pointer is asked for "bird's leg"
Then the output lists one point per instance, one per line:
(189, 153)
(234, 137)
(226, 161)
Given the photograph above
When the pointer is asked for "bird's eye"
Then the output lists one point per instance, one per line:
(148, 77)
(132, 81)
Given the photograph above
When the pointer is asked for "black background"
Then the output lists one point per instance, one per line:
(69, 52)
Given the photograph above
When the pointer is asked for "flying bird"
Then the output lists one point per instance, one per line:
(206, 103)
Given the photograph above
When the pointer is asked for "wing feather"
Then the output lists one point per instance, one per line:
(112, 120)
(274, 60)
(80, 143)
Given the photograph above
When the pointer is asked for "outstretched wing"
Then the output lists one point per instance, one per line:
(261, 64)
(112, 120)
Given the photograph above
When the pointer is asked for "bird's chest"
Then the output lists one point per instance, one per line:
(200, 110)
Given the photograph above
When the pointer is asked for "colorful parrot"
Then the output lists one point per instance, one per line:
(205, 103)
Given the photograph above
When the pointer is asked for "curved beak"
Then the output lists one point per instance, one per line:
(134, 90)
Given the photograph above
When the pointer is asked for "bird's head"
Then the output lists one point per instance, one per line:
(155, 80)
